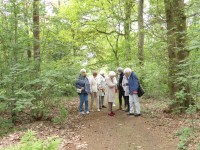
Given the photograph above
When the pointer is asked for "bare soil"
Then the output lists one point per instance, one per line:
(154, 130)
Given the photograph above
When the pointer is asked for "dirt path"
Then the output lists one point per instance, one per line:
(123, 132)
(154, 130)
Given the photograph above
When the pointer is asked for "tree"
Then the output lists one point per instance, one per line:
(127, 27)
(36, 34)
(140, 32)
(177, 53)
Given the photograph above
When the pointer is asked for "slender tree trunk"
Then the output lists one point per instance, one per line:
(36, 34)
(15, 54)
(27, 28)
(177, 53)
(127, 28)
(15, 30)
(140, 32)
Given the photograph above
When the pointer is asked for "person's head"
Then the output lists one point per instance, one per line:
(94, 74)
(120, 70)
(112, 74)
(102, 72)
(127, 72)
(83, 72)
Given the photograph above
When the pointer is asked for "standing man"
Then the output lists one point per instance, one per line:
(133, 84)
(101, 88)
(120, 88)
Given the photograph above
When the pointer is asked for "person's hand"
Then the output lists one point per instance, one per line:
(82, 88)
(135, 92)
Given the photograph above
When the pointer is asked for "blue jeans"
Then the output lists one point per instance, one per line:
(83, 98)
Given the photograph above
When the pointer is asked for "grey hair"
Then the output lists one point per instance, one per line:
(112, 73)
(83, 71)
(120, 69)
(127, 70)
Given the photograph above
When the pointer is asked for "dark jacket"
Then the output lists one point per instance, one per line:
(120, 87)
(133, 83)
(83, 82)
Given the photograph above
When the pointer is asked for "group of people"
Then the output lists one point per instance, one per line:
(100, 87)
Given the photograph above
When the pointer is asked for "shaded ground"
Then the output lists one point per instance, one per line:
(124, 132)
(97, 131)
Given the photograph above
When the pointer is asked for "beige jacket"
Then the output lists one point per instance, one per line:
(93, 84)
(110, 89)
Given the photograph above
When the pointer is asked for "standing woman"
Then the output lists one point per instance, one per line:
(94, 91)
(111, 91)
(133, 85)
(101, 88)
(83, 89)
(126, 93)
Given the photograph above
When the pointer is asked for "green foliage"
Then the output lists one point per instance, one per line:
(184, 135)
(63, 114)
(6, 126)
(154, 79)
(30, 142)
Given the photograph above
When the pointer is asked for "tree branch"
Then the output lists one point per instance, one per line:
(109, 33)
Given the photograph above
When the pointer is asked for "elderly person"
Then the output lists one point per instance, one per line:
(120, 88)
(126, 92)
(83, 89)
(133, 84)
(110, 91)
(101, 88)
(94, 91)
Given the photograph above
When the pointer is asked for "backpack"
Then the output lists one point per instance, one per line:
(140, 91)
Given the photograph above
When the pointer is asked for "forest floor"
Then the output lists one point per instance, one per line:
(154, 130)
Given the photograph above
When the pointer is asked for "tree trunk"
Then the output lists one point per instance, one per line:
(176, 40)
(27, 28)
(127, 28)
(36, 34)
(140, 32)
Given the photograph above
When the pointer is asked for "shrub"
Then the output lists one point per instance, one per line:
(30, 142)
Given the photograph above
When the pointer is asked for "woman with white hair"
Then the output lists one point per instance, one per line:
(133, 85)
(110, 91)
(126, 92)
(83, 89)
(101, 88)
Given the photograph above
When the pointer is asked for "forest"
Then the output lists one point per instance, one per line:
(45, 43)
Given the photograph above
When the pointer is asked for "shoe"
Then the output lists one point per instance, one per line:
(82, 113)
(110, 114)
(131, 114)
(98, 110)
(87, 112)
(126, 110)
(104, 106)
(137, 115)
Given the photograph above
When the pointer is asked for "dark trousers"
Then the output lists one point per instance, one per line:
(127, 102)
(121, 94)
